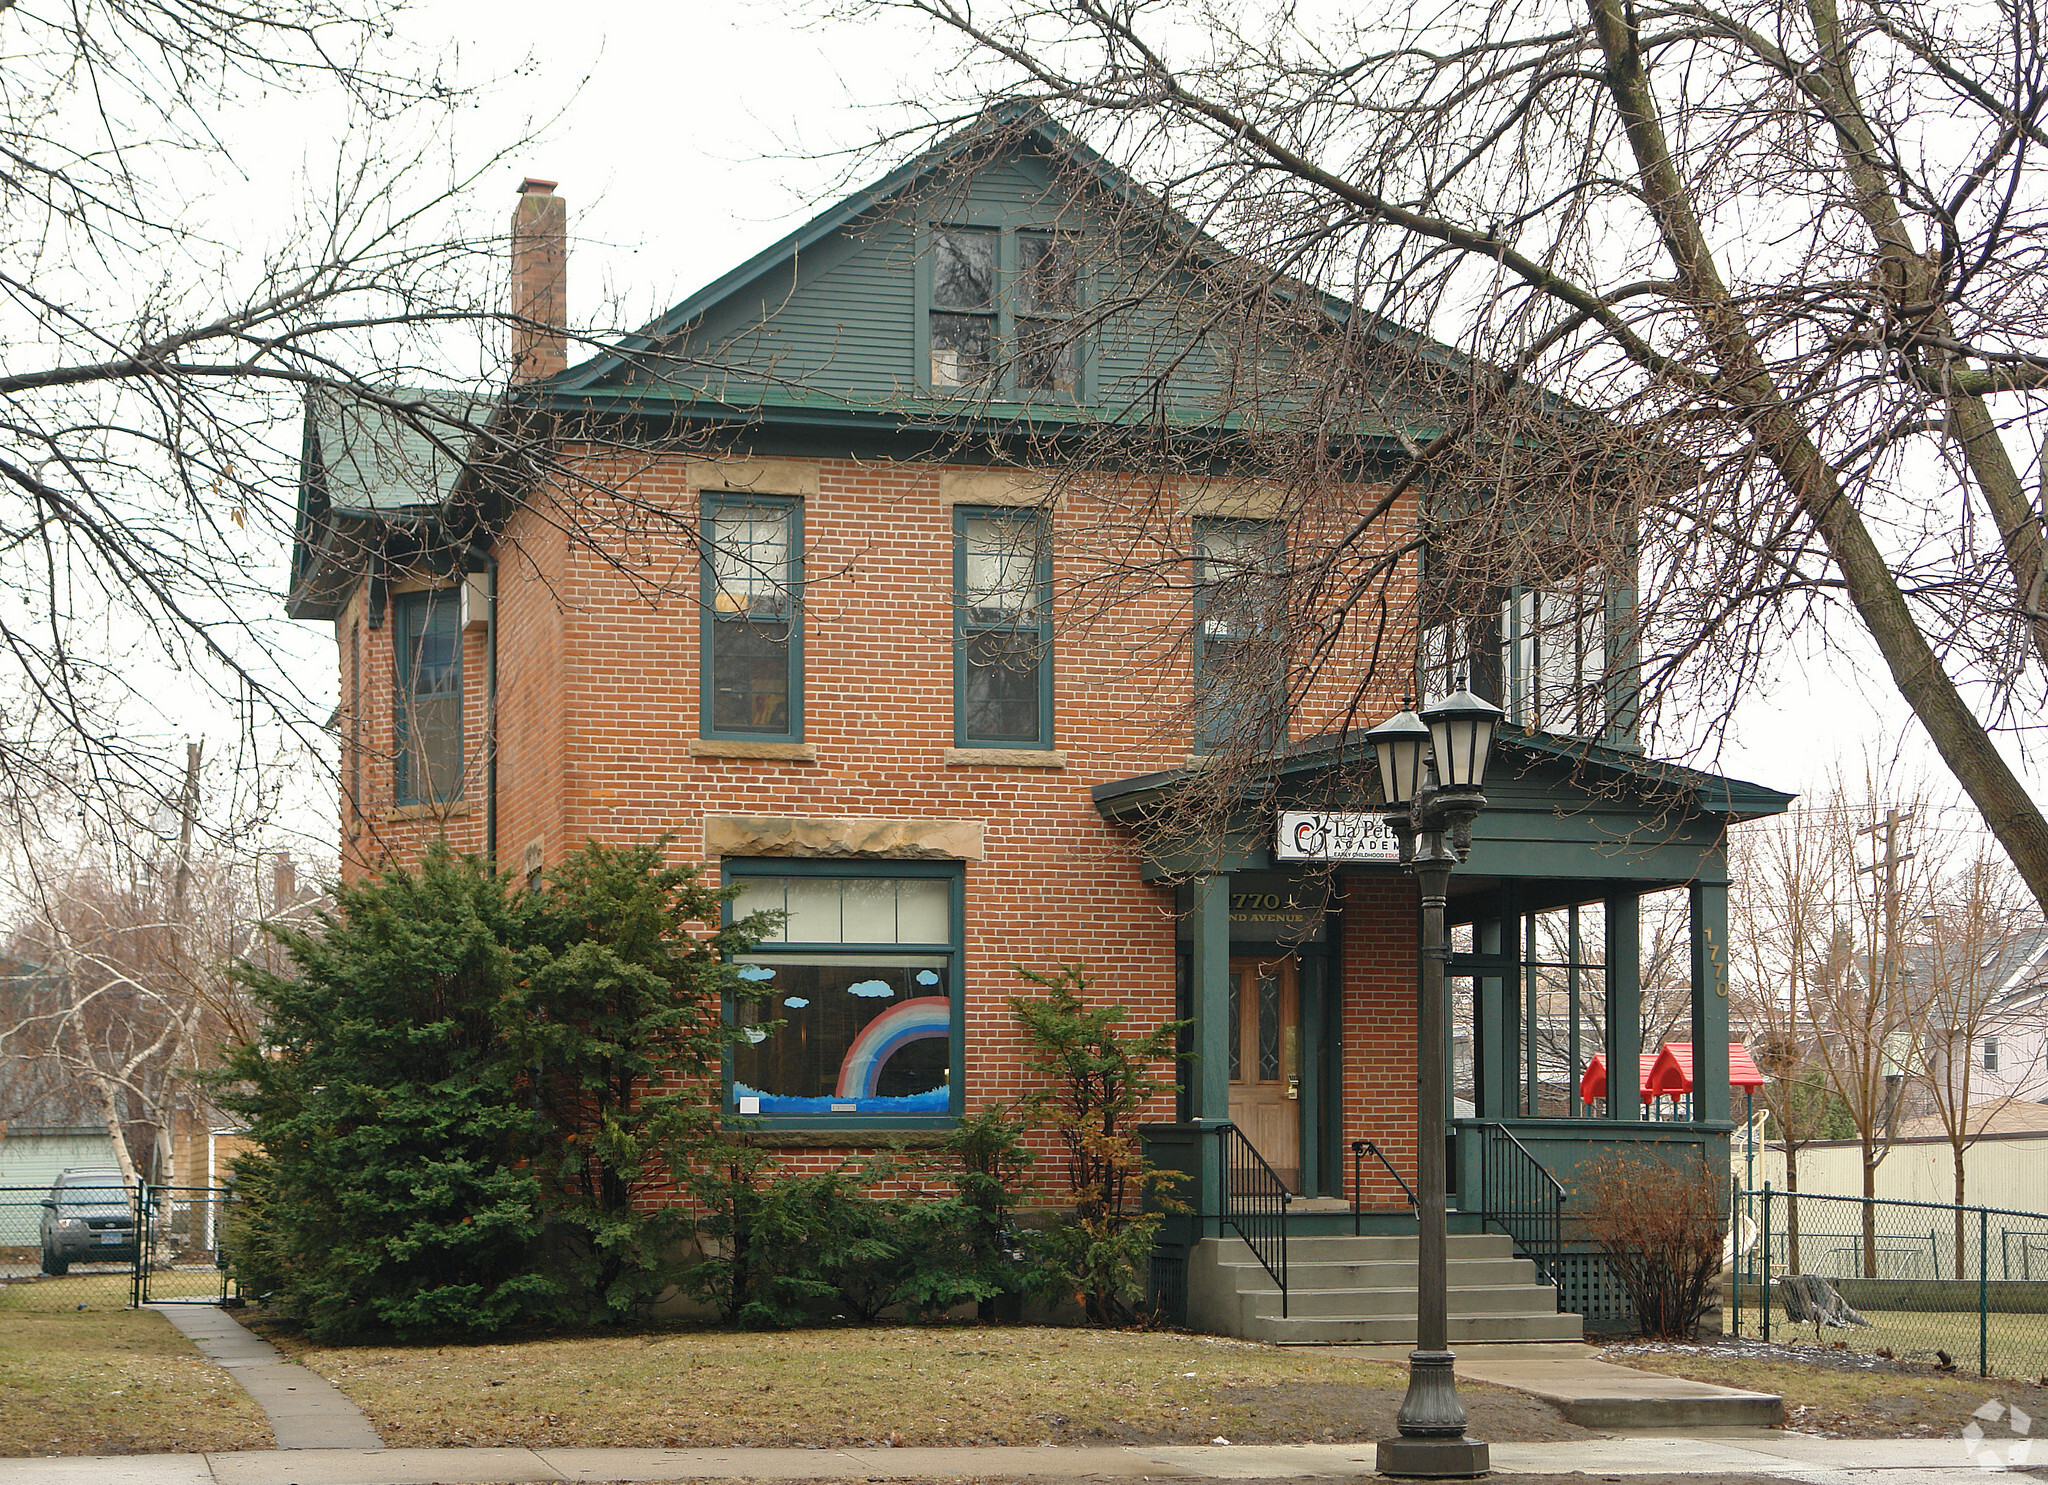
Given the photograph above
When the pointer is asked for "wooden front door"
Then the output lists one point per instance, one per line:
(1265, 1061)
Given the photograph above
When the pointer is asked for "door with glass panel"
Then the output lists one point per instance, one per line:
(1265, 1060)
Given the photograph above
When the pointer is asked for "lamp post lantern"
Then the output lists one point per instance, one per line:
(1431, 811)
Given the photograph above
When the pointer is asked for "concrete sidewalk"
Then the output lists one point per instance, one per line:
(1598, 1394)
(1750, 1455)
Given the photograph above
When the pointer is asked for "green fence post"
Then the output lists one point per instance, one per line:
(1764, 1284)
(1983, 1291)
(1735, 1256)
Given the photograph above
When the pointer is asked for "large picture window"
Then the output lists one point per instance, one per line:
(1002, 579)
(427, 715)
(752, 644)
(855, 1010)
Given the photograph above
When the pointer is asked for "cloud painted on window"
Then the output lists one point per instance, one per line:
(756, 972)
(754, 1035)
(871, 989)
(927, 977)
(795, 1002)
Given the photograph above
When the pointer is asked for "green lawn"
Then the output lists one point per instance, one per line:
(101, 1379)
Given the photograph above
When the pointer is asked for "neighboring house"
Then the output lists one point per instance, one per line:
(868, 704)
(2009, 1054)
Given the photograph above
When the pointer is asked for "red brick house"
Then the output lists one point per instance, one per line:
(803, 583)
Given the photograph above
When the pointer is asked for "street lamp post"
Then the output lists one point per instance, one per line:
(1430, 769)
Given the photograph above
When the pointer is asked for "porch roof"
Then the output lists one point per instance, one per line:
(1557, 807)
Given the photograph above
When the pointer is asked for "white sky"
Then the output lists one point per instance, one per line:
(688, 136)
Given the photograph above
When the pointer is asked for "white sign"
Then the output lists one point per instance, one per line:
(1336, 837)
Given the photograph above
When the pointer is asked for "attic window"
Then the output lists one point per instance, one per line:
(1001, 311)
(963, 306)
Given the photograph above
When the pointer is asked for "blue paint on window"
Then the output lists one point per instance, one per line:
(871, 989)
(796, 1002)
(756, 972)
(927, 977)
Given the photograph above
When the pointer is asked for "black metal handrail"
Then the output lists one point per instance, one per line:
(1359, 1150)
(1524, 1200)
(1254, 1203)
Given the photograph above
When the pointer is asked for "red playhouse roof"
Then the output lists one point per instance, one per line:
(1593, 1084)
(1667, 1072)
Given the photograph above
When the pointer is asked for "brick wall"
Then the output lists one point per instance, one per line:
(597, 702)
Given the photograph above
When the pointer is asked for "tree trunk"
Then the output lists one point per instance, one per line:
(1791, 1211)
(1960, 1235)
(1869, 1210)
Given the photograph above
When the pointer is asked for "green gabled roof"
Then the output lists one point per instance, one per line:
(611, 381)
(401, 452)
(366, 460)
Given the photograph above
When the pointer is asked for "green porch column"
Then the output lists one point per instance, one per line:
(1209, 977)
(1710, 1002)
(1309, 1109)
(1495, 1030)
(1624, 1005)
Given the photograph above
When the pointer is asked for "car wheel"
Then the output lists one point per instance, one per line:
(54, 1266)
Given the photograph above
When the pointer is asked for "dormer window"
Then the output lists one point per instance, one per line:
(1000, 313)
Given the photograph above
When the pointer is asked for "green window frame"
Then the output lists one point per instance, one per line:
(1002, 628)
(845, 1019)
(751, 640)
(426, 712)
(1236, 616)
(1000, 312)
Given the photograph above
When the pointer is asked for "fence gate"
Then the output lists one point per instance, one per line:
(181, 1259)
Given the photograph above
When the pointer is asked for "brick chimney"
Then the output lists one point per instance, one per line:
(540, 282)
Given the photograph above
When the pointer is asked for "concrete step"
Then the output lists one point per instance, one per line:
(1309, 1247)
(1327, 1330)
(1523, 1299)
(1376, 1274)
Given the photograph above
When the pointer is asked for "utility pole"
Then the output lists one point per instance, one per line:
(1887, 991)
(188, 818)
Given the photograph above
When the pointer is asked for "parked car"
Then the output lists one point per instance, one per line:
(88, 1217)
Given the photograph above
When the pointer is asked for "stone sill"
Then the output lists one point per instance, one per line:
(843, 1139)
(773, 752)
(453, 810)
(1005, 758)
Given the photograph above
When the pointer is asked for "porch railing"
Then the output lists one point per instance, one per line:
(1359, 1150)
(1254, 1204)
(1522, 1199)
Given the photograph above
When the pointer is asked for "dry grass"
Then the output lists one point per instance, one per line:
(837, 1388)
(114, 1381)
(1844, 1394)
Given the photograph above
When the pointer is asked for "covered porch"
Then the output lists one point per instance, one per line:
(1298, 975)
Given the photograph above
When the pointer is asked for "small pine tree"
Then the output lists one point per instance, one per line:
(1094, 1080)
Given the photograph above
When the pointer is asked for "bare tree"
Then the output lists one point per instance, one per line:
(123, 990)
(1958, 970)
(1781, 261)
(156, 353)
(1784, 875)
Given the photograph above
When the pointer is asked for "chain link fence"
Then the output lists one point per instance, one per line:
(1960, 1287)
(71, 1255)
(109, 1248)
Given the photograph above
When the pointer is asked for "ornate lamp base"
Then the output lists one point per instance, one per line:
(1432, 1444)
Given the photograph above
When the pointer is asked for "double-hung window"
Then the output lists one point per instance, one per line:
(1002, 629)
(851, 1012)
(427, 714)
(1001, 313)
(1238, 652)
(752, 640)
